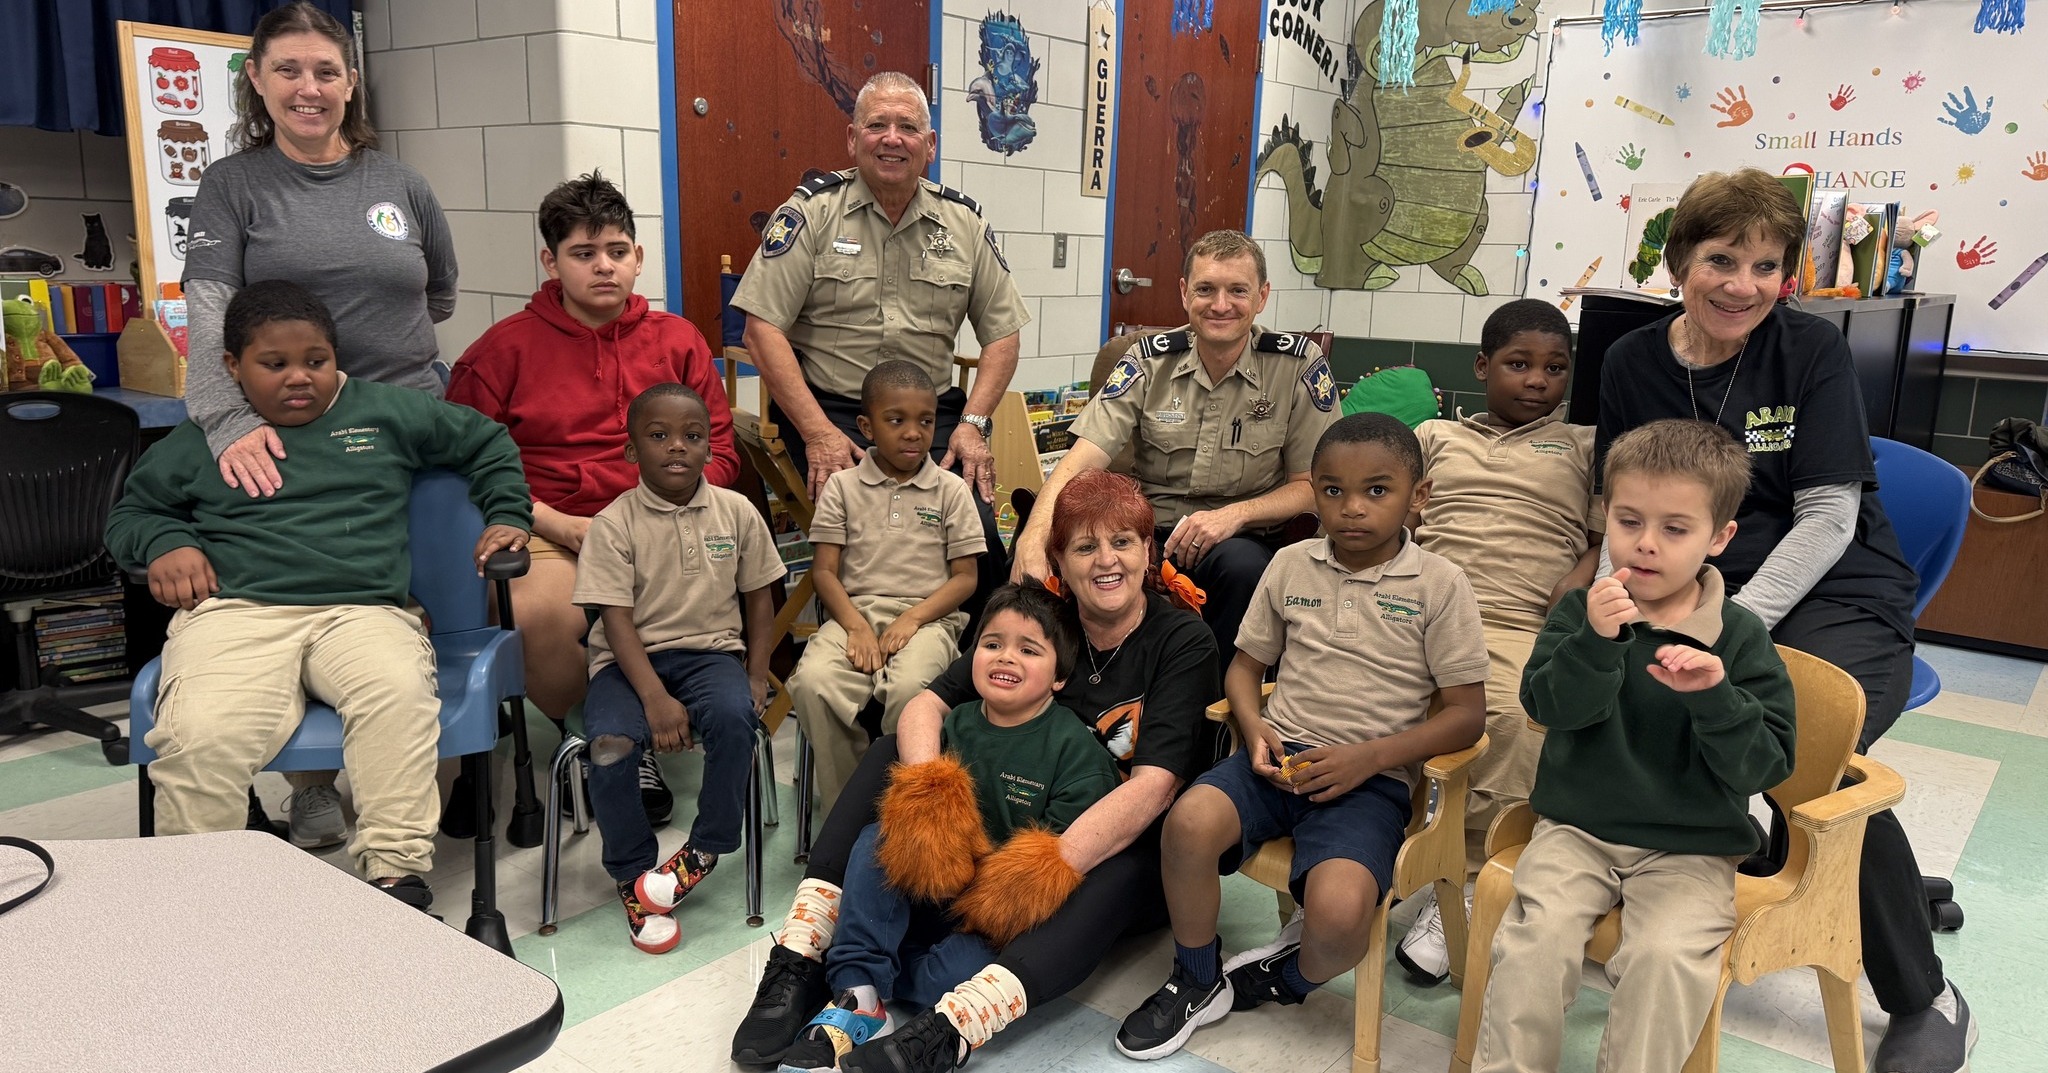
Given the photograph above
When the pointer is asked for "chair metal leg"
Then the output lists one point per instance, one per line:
(771, 802)
(568, 757)
(145, 802)
(753, 818)
(486, 924)
(805, 772)
(524, 829)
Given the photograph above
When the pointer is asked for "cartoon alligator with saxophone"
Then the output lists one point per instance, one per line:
(1407, 182)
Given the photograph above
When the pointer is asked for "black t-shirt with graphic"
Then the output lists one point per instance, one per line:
(1793, 401)
(1148, 708)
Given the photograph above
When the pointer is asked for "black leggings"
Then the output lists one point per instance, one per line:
(1898, 942)
(1120, 896)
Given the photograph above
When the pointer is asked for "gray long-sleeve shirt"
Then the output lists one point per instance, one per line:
(365, 235)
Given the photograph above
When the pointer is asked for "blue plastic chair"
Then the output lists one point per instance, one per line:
(479, 670)
(1928, 502)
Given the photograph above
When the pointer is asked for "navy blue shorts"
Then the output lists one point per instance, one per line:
(1366, 825)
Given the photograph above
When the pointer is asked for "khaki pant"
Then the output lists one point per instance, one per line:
(1677, 909)
(1505, 775)
(236, 675)
(828, 693)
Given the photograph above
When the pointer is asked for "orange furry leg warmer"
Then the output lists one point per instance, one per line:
(1017, 888)
(931, 829)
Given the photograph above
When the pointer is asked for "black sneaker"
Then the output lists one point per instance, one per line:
(1938, 1039)
(1257, 982)
(927, 1043)
(654, 792)
(792, 990)
(1163, 1024)
(412, 890)
(837, 1029)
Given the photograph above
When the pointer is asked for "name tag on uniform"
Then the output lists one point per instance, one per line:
(1170, 417)
(846, 246)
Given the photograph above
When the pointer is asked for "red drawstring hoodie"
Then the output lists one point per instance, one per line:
(562, 390)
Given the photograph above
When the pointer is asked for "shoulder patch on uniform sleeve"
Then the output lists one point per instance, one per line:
(1166, 343)
(951, 194)
(781, 232)
(1123, 376)
(818, 184)
(994, 248)
(1322, 387)
(1282, 343)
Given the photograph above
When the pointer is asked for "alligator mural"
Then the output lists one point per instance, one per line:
(1407, 168)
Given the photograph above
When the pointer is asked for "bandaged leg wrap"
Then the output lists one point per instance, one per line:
(984, 1004)
(812, 918)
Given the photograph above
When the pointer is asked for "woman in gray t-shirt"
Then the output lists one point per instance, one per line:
(308, 198)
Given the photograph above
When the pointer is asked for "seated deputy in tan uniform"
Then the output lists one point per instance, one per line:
(1224, 415)
(873, 263)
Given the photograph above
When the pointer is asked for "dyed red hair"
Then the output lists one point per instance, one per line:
(1094, 500)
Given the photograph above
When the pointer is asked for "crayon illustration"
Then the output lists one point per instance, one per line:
(2019, 281)
(1586, 166)
(1584, 278)
(1646, 111)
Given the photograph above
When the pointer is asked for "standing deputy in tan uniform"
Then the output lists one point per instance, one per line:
(1225, 417)
(873, 263)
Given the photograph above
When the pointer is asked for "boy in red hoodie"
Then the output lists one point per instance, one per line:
(559, 375)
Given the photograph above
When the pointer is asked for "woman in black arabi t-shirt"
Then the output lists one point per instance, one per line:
(1813, 554)
(1148, 670)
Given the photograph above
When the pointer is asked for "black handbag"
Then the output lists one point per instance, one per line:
(2018, 466)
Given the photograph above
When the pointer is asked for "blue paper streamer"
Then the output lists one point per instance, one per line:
(1620, 18)
(1398, 31)
(1998, 16)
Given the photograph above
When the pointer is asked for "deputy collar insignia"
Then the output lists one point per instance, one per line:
(940, 242)
(1282, 343)
(820, 183)
(781, 232)
(1167, 343)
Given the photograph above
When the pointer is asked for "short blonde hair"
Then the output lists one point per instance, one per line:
(1223, 245)
(1733, 206)
(1677, 447)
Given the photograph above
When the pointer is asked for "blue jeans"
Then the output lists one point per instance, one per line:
(712, 686)
(906, 950)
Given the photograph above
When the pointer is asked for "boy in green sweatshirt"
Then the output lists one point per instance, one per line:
(303, 593)
(1667, 708)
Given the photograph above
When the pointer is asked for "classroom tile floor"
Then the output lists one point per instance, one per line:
(1975, 761)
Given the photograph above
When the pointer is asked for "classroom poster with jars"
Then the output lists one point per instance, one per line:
(179, 88)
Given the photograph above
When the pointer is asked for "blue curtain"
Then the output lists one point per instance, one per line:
(61, 69)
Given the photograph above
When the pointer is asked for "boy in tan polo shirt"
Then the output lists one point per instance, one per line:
(667, 567)
(1511, 503)
(1365, 627)
(897, 543)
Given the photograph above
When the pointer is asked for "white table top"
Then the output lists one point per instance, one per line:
(235, 951)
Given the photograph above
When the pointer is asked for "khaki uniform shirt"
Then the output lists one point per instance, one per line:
(851, 289)
(1360, 654)
(1510, 507)
(681, 569)
(898, 536)
(1203, 444)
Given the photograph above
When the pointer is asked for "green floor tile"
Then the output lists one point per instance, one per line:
(57, 773)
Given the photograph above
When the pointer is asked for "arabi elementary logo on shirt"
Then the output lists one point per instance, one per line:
(1769, 429)
(386, 220)
(356, 440)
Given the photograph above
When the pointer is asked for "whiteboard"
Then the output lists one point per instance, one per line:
(1914, 108)
(179, 89)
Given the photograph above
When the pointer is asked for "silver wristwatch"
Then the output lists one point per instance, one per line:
(981, 424)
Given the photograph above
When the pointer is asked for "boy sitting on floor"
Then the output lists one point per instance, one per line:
(1667, 708)
(1515, 477)
(1365, 626)
(667, 567)
(304, 593)
(1018, 767)
(897, 539)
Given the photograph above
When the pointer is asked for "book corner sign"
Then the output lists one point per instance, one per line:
(1100, 100)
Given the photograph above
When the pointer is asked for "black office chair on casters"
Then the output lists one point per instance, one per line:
(63, 460)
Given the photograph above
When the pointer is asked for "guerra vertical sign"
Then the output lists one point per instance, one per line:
(1099, 100)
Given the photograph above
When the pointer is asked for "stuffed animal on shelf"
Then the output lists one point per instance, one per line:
(23, 323)
(38, 357)
(1907, 240)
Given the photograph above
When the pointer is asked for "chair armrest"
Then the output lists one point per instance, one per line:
(1874, 788)
(1444, 766)
(1512, 827)
(137, 577)
(508, 564)
(1219, 712)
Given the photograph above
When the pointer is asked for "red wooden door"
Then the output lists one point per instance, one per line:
(1184, 144)
(777, 81)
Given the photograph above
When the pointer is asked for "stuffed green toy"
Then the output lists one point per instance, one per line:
(32, 346)
(1403, 392)
(23, 324)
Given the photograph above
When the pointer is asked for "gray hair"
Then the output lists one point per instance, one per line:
(893, 82)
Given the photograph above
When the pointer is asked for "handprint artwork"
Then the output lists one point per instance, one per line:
(1842, 96)
(2037, 167)
(1977, 253)
(1964, 115)
(1630, 157)
(1734, 103)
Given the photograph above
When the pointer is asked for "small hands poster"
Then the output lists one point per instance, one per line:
(1902, 104)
